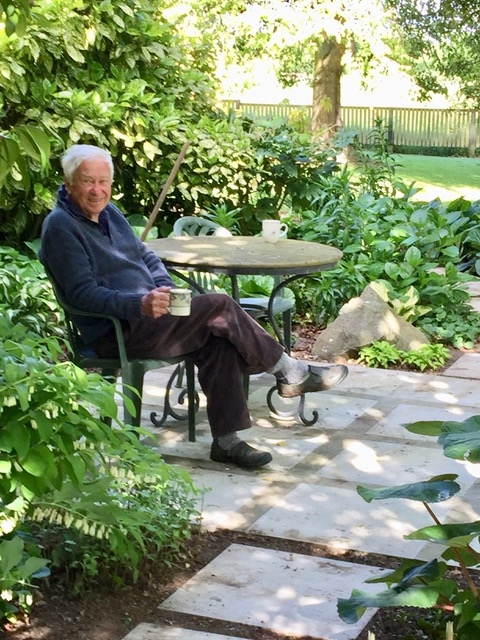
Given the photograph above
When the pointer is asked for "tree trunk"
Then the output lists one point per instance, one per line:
(326, 119)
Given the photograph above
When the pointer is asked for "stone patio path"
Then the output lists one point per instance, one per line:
(308, 494)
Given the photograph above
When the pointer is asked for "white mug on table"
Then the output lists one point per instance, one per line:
(272, 230)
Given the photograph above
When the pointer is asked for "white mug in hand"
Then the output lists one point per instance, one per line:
(272, 230)
(180, 302)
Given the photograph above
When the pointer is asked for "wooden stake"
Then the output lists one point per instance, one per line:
(165, 189)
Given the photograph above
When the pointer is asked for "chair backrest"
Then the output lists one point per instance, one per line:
(77, 345)
(195, 226)
(80, 351)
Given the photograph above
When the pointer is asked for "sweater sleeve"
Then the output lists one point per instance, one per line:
(72, 270)
(74, 257)
(160, 275)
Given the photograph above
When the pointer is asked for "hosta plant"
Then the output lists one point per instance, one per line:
(383, 354)
(430, 584)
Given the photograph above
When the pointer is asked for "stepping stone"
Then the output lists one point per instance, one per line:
(161, 632)
(467, 366)
(288, 593)
(340, 519)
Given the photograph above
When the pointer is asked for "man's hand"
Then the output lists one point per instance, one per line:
(156, 303)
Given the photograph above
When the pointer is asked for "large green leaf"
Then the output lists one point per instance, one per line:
(452, 535)
(9, 154)
(20, 438)
(351, 610)
(461, 440)
(10, 555)
(43, 424)
(39, 462)
(469, 425)
(34, 142)
(409, 570)
(435, 489)
(33, 567)
(413, 256)
(425, 427)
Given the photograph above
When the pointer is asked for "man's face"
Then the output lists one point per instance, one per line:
(91, 187)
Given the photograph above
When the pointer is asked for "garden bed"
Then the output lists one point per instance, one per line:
(106, 614)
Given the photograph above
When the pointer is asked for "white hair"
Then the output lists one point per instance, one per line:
(76, 154)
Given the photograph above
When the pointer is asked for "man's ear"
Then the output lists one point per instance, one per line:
(67, 183)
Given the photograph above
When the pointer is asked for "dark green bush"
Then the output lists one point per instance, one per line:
(62, 467)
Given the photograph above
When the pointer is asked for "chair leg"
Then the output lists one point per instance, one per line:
(191, 398)
(133, 378)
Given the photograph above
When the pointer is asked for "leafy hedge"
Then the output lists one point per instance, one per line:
(68, 480)
(120, 75)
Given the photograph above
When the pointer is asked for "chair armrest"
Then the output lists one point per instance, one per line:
(70, 310)
(122, 351)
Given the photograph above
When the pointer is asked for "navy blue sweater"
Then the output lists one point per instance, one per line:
(101, 267)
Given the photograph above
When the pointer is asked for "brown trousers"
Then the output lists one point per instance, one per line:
(223, 341)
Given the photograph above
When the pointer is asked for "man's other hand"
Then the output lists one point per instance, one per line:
(156, 303)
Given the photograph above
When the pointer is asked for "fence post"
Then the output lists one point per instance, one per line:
(390, 134)
(472, 137)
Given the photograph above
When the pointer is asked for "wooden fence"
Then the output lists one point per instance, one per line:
(447, 130)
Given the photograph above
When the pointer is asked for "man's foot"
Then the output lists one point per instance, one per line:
(241, 454)
(318, 379)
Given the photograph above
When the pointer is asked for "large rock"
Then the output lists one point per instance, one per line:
(361, 322)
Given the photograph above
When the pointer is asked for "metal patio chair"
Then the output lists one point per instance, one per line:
(256, 307)
(132, 369)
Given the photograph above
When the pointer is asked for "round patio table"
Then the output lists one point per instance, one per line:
(245, 255)
(248, 255)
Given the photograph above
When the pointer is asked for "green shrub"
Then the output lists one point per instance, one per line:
(63, 466)
(116, 74)
(19, 571)
(26, 293)
(389, 239)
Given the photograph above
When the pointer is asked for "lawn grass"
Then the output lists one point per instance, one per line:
(444, 178)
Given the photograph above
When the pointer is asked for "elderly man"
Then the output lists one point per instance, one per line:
(101, 266)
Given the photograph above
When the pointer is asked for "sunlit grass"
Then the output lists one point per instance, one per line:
(444, 178)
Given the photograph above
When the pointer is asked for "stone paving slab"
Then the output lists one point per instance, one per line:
(308, 494)
(311, 513)
(391, 463)
(474, 287)
(467, 366)
(392, 424)
(232, 501)
(404, 385)
(162, 632)
(288, 593)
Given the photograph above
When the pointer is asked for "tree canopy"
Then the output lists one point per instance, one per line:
(440, 45)
(309, 40)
